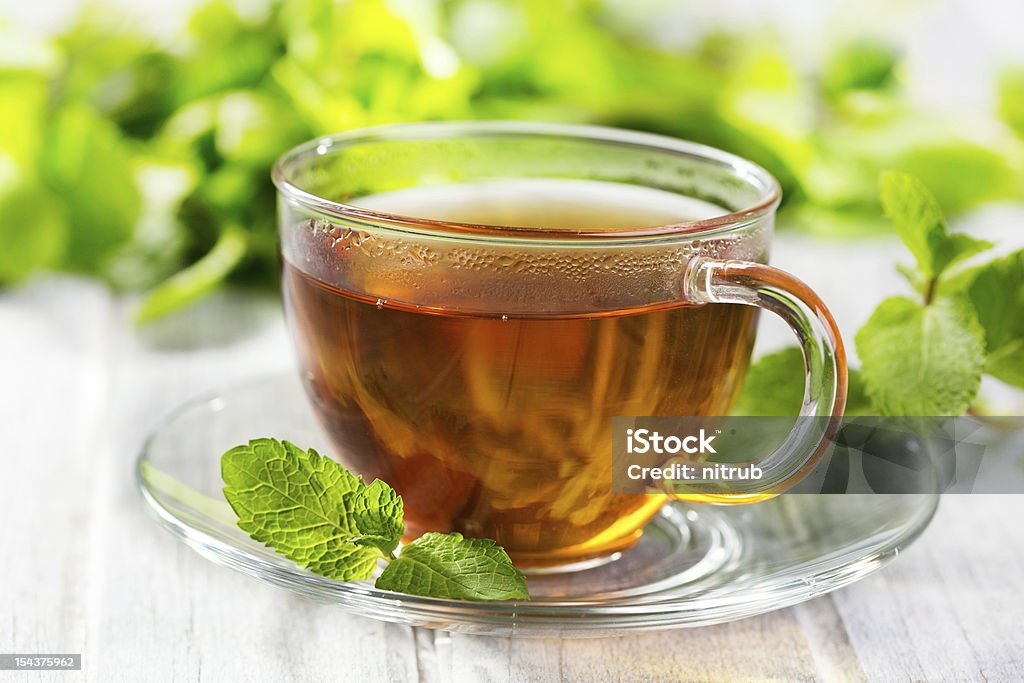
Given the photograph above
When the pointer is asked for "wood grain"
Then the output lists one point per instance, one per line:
(54, 382)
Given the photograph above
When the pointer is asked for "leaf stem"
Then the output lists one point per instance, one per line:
(197, 279)
(929, 292)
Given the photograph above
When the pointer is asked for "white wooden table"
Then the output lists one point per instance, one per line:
(83, 568)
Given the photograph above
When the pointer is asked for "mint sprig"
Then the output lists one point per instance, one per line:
(997, 296)
(921, 224)
(322, 517)
(919, 357)
(921, 360)
(451, 566)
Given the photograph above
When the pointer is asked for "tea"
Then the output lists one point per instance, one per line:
(495, 419)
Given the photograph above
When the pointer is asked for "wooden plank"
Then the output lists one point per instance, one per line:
(834, 655)
(766, 648)
(952, 607)
(54, 360)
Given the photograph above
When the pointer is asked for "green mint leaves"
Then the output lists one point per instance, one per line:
(919, 358)
(451, 566)
(1011, 99)
(923, 358)
(774, 385)
(321, 516)
(921, 224)
(198, 279)
(997, 297)
(301, 504)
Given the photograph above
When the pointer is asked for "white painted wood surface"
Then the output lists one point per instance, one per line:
(84, 569)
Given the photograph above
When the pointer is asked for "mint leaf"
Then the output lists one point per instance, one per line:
(960, 247)
(857, 401)
(376, 511)
(860, 65)
(23, 111)
(33, 231)
(1011, 99)
(310, 509)
(253, 128)
(88, 163)
(766, 99)
(921, 224)
(198, 279)
(997, 296)
(921, 360)
(916, 215)
(774, 385)
(959, 173)
(450, 566)
(318, 514)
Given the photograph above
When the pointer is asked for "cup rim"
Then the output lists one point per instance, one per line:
(748, 171)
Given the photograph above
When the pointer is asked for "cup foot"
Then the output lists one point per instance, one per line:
(574, 566)
(674, 542)
(677, 547)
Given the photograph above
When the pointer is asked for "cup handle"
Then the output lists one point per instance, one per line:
(710, 281)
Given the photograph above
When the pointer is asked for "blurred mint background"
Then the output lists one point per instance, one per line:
(136, 138)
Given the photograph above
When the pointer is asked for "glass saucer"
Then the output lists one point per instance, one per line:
(695, 564)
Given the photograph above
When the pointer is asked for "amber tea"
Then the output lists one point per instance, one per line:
(477, 388)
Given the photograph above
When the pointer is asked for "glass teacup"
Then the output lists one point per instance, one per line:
(472, 303)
